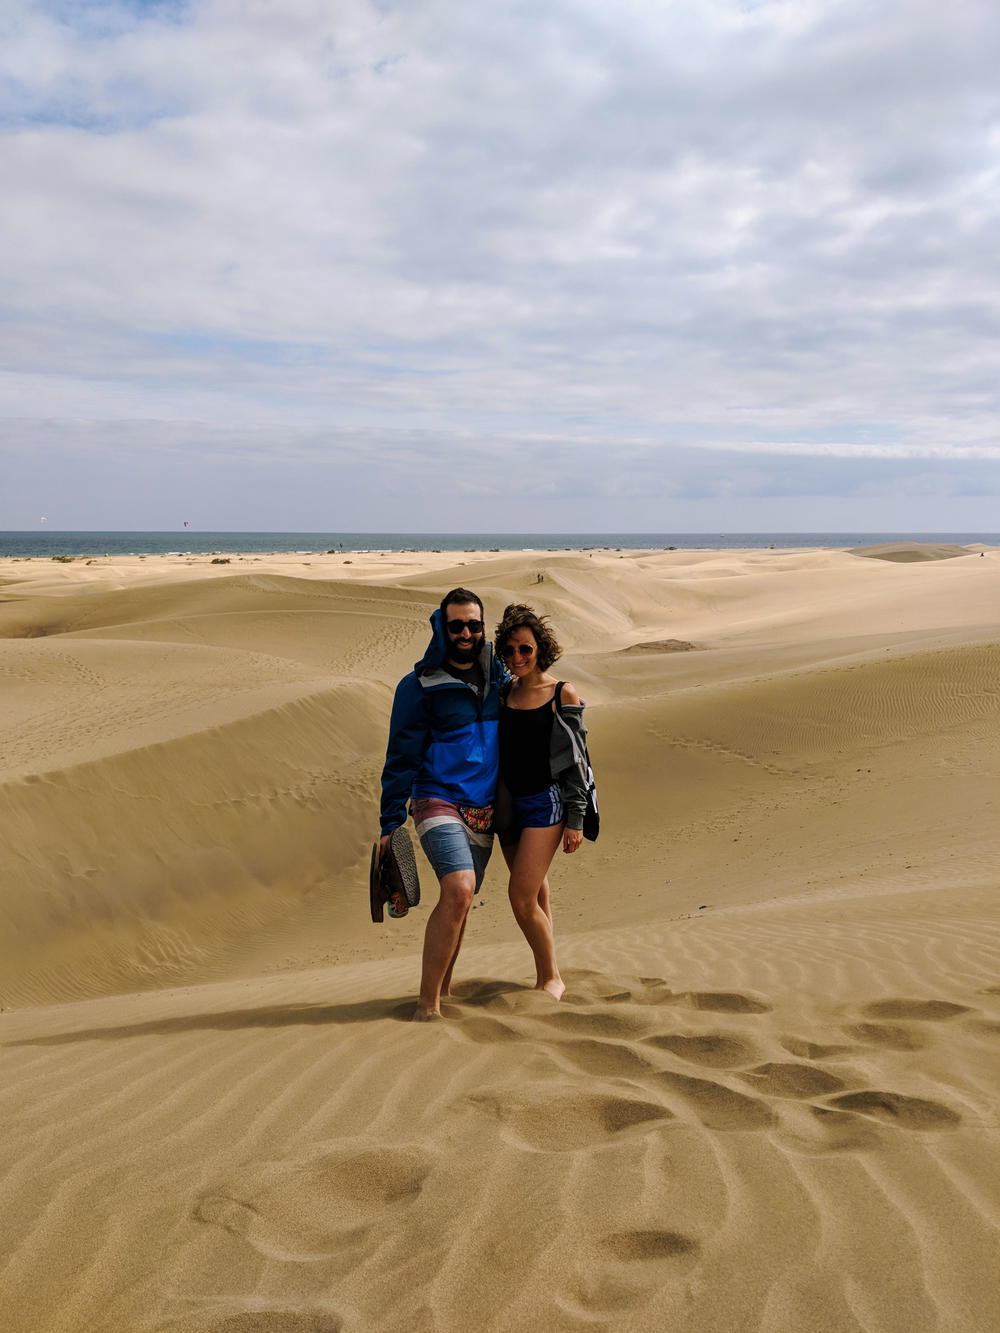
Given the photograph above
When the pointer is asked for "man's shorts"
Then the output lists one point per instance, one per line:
(454, 837)
(541, 809)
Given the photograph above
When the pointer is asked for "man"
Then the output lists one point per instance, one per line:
(442, 757)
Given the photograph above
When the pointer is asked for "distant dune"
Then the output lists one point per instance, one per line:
(908, 552)
(770, 1098)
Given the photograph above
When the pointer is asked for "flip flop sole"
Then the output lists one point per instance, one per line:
(376, 900)
(401, 872)
(394, 882)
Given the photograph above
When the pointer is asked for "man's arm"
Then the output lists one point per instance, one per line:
(409, 732)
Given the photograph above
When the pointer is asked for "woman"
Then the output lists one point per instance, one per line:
(540, 776)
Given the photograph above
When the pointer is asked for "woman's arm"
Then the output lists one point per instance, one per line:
(571, 780)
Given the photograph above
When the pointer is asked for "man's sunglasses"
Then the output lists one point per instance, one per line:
(473, 626)
(522, 650)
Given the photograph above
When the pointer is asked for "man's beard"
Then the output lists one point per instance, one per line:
(464, 652)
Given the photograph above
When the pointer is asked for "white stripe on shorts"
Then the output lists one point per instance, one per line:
(435, 821)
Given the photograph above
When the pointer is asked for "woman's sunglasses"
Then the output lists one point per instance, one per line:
(522, 650)
(473, 626)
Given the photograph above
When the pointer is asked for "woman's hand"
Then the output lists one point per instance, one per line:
(572, 837)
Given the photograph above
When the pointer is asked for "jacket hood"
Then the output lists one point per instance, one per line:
(437, 650)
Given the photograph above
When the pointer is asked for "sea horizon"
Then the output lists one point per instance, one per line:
(39, 544)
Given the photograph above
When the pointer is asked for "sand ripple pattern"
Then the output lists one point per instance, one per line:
(521, 1165)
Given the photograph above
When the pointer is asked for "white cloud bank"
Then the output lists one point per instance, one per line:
(568, 266)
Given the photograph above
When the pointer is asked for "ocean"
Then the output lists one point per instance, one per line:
(42, 543)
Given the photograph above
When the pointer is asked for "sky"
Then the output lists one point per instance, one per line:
(650, 266)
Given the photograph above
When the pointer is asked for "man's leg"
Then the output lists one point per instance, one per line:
(443, 939)
(446, 983)
(480, 847)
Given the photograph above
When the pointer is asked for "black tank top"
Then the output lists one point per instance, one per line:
(525, 737)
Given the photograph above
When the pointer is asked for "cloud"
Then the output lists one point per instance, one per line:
(272, 476)
(763, 230)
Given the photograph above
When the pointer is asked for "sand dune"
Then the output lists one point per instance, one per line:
(769, 1099)
(909, 552)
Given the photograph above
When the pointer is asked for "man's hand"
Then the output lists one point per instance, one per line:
(383, 843)
(572, 837)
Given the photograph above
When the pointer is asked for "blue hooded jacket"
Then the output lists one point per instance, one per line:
(443, 739)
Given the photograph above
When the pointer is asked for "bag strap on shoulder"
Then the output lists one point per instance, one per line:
(558, 695)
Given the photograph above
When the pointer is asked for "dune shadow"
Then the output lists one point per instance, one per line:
(398, 1009)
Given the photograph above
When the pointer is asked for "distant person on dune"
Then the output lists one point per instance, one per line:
(442, 757)
(542, 799)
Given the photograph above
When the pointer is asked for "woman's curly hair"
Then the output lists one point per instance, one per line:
(519, 616)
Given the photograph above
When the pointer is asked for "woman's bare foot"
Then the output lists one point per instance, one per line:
(424, 1014)
(555, 987)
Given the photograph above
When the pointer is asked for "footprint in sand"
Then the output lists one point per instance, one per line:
(597, 1024)
(811, 1050)
(920, 1011)
(896, 1035)
(651, 990)
(650, 984)
(488, 1031)
(644, 1246)
(784, 1079)
(621, 1270)
(711, 1048)
(893, 1036)
(727, 1002)
(520, 1002)
(567, 1120)
(607, 1059)
(584, 987)
(480, 991)
(310, 1208)
(276, 1321)
(892, 1108)
(988, 1026)
(716, 1106)
(254, 1316)
(824, 1130)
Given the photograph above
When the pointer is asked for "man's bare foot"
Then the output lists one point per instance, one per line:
(555, 987)
(425, 1014)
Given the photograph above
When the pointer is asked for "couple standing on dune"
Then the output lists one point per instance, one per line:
(476, 745)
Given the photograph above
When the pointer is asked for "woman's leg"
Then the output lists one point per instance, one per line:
(544, 896)
(529, 860)
(544, 899)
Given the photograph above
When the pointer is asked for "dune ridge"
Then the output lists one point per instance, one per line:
(769, 1099)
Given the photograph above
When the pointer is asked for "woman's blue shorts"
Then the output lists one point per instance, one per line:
(541, 809)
